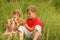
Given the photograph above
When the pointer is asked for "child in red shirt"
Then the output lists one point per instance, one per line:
(32, 26)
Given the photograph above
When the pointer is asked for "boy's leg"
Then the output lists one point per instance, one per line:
(21, 35)
(36, 35)
(23, 32)
(37, 32)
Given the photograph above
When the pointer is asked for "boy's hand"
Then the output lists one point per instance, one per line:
(30, 29)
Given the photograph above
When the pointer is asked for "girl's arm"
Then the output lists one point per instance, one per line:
(9, 25)
(16, 24)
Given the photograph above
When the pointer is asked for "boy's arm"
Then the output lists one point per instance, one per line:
(30, 29)
(24, 23)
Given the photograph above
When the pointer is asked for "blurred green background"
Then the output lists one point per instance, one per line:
(47, 10)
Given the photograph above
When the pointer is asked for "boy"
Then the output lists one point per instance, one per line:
(32, 26)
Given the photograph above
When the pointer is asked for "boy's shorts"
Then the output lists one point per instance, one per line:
(29, 34)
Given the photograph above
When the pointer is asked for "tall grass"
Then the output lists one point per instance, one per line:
(46, 11)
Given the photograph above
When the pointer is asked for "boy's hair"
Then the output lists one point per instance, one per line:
(32, 8)
(17, 11)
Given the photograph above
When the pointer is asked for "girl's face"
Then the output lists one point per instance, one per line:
(16, 16)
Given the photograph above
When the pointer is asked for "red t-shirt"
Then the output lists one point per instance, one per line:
(34, 22)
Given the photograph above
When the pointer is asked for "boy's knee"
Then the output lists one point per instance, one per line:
(34, 39)
(37, 31)
(20, 33)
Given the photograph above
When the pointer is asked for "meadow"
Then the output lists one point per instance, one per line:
(47, 10)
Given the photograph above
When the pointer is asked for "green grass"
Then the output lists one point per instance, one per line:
(46, 11)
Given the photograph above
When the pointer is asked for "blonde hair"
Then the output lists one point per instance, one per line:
(17, 11)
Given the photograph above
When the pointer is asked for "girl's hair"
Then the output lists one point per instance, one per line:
(17, 12)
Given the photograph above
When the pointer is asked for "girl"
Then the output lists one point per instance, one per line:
(14, 22)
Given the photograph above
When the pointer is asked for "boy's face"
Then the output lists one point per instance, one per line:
(30, 14)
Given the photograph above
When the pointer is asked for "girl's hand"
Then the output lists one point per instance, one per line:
(9, 22)
(24, 21)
